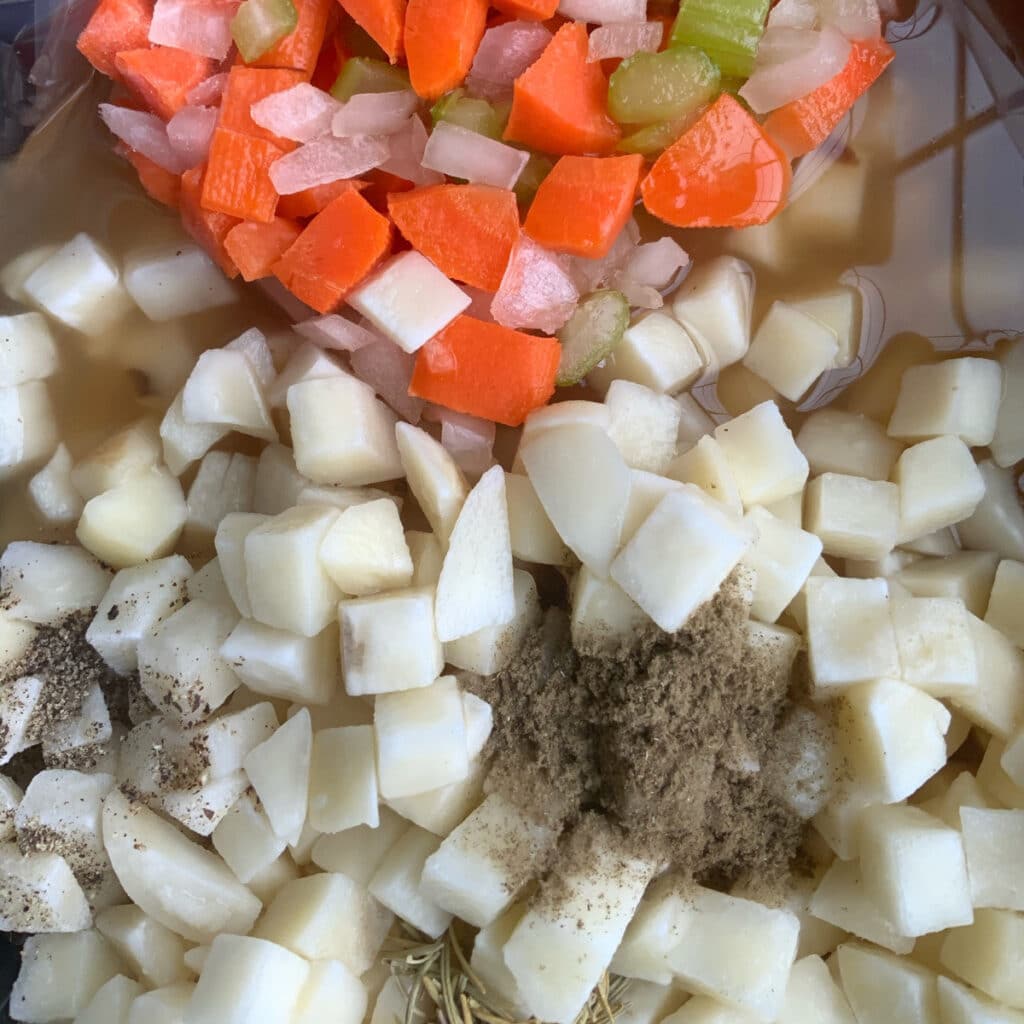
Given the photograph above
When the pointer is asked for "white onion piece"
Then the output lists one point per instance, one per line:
(406, 154)
(388, 370)
(505, 52)
(198, 26)
(325, 160)
(639, 296)
(469, 440)
(537, 291)
(336, 332)
(208, 92)
(801, 14)
(375, 113)
(461, 153)
(775, 85)
(301, 113)
(190, 132)
(601, 12)
(656, 264)
(856, 19)
(623, 39)
(590, 274)
(145, 133)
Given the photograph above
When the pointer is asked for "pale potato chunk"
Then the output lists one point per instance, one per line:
(532, 534)
(28, 427)
(224, 483)
(175, 279)
(278, 769)
(838, 309)
(40, 893)
(993, 780)
(201, 807)
(53, 494)
(427, 557)
(881, 986)
(812, 997)
(245, 839)
(997, 704)
(162, 1005)
(43, 583)
(397, 882)
(959, 1004)
(434, 478)
(223, 390)
(963, 791)
(967, 575)
(229, 543)
(111, 1003)
(278, 483)
(603, 614)
(153, 951)
(655, 351)
(987, 955)
(643, 424)
(714, 304)
(706, 466)
(933, 635)
(854, 517)
(1012, 759)
(332, 995)
(705, 1010)
(440, 810)
(993, 841)
(127, 453)
(1008, 443)
(307, 362)
(654, 931)
(645, 492)
(650, 1003)
(488, 961)
(15, 272)
(571, 413)
(364, 551)
(998, 521)
(791, 350)
(184, 442)
(357, 852)
(694, 422)
(19, 700)
(782, 558)
(835, 441)
(1006, 601)
(343, 779)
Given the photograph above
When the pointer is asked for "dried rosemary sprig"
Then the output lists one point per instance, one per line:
(437, 972)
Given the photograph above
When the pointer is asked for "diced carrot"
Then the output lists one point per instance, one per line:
(237, 181)
(115, 26)
(486, 370)
(247, 86)
(806, 123)
(528, 10)
(328, 66)
(310, 201)
(583, 204)
(560, 103)
(467, 230)
(335, 251)
(208, 229)
(161, 185)
(723, 172)
(383, 21)
(441, 40)
(381, 184)
(301, 47)
(255, 248)
(162, 76)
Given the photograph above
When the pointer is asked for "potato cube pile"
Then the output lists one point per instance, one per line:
(302, 585)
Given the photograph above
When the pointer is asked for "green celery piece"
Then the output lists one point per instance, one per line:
(364, 74)
(536, 170)
(653, 138)
(258, 25)
(592, 332)
(651, 87)
(473, 114)
(727, 30)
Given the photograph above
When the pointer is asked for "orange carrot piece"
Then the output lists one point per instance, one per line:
(162, 76)
(486, 370)
(528, 10)
(115, 26)
(245, 87)
(723, 172)
(383, 21)
(560, 103)
(161, 185)
(329, 63)
(441, 40)
(255, 248)
(237, 181)
(208, 229)
(309, 202)
(467, 230)
(335, 251)
(583, 204)
(301, 47)
(806, 123)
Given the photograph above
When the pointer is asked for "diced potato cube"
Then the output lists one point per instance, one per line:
(343, 779)
(484, 864)
(332, 995)
(838, 309)
(224, 390)
(52, 492)
(397, 882)
(643, 424)
(914, 869)
(967, 575)
(41, 893)
(279, 771)
(705, 1010)
(812, 997)
(997, 703)
(357, 852)
(389, 642)
(440, 810)
(1012, 759)
(782, 558)
(694, 422)
(427, 557)
(791, 350)
(959, 397)
(365, 551)
(278, 482)
(959, 1004)
(19, 725)
(876, 983)
(27, 349)
(245, 839)
(933, 635)
(1006, 601)
(127, 453)
(342, 434)
(43, 583)
(854, 517)
(850, 636)
(532, 534)
(15, 272)
(224, 483)
(229, 542)
(201, 807)
(174, 280)
(686, 529)
(247, 978)
(963, 791)
(706, 466)
(184, 442)
(1008, 443)
(153, 952)
(714, 304)
(939, 544)
(993, 780)
(28, 427)
(434, 478)
(10, 797)
(421, 739)
(655, 351)
(835, 441)
(570, 413)
(762, 454)
(987, 955)
(603, 615)
(488, 961)
(654, 931)
(307, 362)
(111, 1003)
(998, 521)
(645, 492)
(993, 840)
(162, 1005)
(136, 601)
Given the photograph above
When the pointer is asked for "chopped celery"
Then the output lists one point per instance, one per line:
(364, 74)
(592, 332)
(653, 138)
(651, 87)
(536, 170)
(259, 25)
(727, 30)
(475, 115)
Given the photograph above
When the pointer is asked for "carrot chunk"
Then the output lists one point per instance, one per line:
(162, 76)
(329, 62)
(310, 201)
(301, 47)
(806, 123)
(467, 230)
(237, 181)
(441, 41)
(486, 370)
(528, 10)
(255, 247)
(335, 251)
(560, 103)
(247, 86)
(583, 204)
(207, 228)
(723, 172)
(115, 26)
(161, 185)
(383, 21)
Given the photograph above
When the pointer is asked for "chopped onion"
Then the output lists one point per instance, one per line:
(590, 274)
(375, 113)
(856, 19)
(536, 292)
(208, 92)
(639, 296)
(301, 113)
(505, 52)
(325, 160)
(793, 14)
(198, 26)
(461, 153)
(337, 333)
(406, 154)
(145, 133)
(656, 264)
(469, 440)
(623, 39)
(388, 370)
(190, 132)
(601, 12)
(774, 85)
